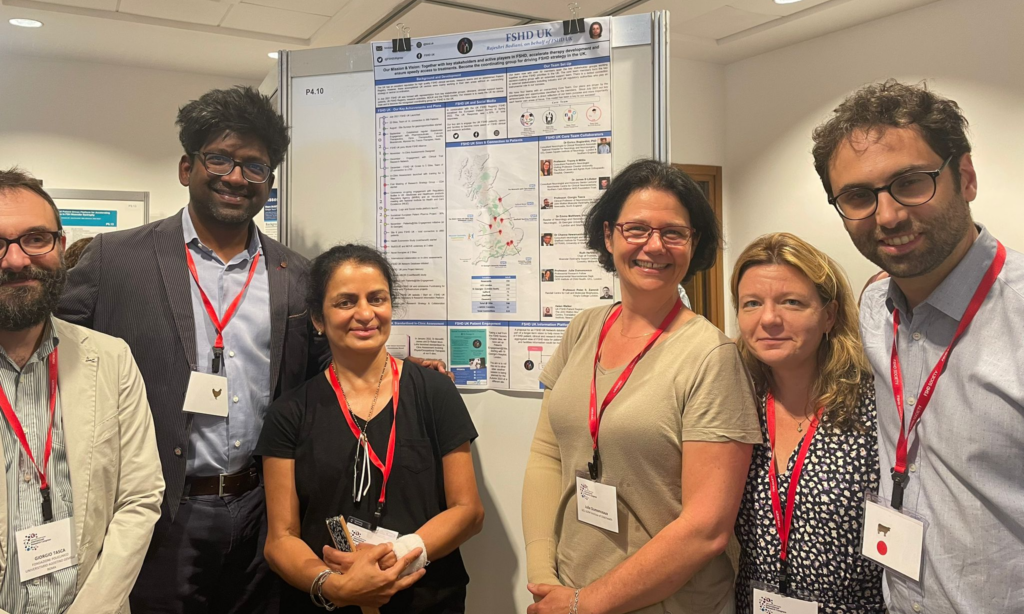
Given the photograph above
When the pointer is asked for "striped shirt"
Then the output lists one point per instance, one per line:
(27, 390)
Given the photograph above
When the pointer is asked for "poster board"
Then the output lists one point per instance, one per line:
(87, 213)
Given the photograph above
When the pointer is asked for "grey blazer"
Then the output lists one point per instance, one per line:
(134, 284)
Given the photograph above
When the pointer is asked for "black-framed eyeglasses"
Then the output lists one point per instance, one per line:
(909, 189)
(221, 165)
(636, 233)
(35, 243)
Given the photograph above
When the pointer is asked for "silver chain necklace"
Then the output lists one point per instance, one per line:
(362, 475)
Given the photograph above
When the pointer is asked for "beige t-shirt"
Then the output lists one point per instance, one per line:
(691, 386)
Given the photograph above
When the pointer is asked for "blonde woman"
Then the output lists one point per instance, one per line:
(799, 338)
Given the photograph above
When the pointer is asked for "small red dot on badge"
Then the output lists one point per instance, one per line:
(882, 548)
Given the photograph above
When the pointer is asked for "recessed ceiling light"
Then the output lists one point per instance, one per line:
(272, 55)
(26, 23)
(786, 1)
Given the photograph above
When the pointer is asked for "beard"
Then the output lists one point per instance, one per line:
(942, 234)
(26, 306)
(212, 209)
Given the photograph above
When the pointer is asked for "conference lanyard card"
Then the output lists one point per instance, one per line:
(362, 533)
(46, 548)
(893, 538)
(768, 600)
(596, 503)
(207, 394)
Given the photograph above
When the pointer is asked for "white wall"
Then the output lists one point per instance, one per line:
(95, 126)
(697, 112)
(968, 50)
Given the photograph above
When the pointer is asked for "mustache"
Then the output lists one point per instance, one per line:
(220, 186)
(28, 273)
(903, 228)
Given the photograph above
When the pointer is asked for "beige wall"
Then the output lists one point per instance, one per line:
(78, 125)
(968, 50)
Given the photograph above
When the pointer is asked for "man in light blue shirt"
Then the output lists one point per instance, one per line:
(896, 164)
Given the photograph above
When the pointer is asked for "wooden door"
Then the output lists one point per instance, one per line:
(707, 289)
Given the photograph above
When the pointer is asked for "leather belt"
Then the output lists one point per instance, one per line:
(223, 484)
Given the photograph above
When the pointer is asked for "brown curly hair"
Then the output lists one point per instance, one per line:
(842, 364)
(893, 104)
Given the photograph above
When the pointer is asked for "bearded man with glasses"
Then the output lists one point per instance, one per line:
(943, 335)
(83, 484)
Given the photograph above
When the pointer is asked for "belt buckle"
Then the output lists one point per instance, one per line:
(220, 484)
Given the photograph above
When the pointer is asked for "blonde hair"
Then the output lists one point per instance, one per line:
(842, 364)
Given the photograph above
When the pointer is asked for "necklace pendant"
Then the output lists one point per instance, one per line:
(800, 427)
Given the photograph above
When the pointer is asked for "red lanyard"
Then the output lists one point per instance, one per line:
(384, 468)
(595, 416)
(218, 324)
(899, 472)
(784, 523)
(19, 432)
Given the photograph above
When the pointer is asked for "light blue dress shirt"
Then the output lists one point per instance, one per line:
(225, 445)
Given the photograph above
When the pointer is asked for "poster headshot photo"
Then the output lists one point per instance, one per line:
(547, 239)
(545, 168)
(602, 183)
(596, 30)
(546, 204)
(547, 275)
(604, 145)
(606, 293)
(547, 312)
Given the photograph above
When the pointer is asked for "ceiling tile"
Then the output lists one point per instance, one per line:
(315, 7)
(720, 23)
(273, 21)
(546, 10)
(769, 7)
(188, 11)
(435, 20)
(680, 11)
(101, 5)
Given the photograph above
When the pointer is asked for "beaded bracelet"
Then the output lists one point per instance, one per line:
(574, 608)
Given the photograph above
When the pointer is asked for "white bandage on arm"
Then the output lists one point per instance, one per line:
(405, 545)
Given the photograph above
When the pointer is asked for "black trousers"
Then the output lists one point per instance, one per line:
(209, 560)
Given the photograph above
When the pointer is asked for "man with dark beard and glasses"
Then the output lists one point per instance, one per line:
(945, 337)
(214, 312)
(83, 484)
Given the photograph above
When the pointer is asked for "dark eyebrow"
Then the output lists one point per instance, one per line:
(31, 230)
(913, 168)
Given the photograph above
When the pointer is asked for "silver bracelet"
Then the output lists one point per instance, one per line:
(316, 590)
(574, 608)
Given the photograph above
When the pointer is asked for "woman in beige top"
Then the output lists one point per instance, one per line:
(675, 442)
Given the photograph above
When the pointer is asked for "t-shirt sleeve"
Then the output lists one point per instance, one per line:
(280, 434)
(452, 422)
(554, 365)
(720, 406)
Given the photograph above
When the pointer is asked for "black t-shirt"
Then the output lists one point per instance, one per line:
(307, 425)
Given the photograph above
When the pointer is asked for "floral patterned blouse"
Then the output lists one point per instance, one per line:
(824, 543)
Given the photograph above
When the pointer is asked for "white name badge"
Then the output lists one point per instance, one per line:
(596, 504)
(362, 533)
(207, 394)
(46, 548)
(892, 538)
(767, 602)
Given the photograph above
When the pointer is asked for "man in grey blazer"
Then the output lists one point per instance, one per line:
(213, 312)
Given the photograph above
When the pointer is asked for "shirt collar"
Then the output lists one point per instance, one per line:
(192, 238)
(955, 292)
(46, 346)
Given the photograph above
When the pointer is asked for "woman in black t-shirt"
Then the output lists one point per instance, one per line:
(381, 442)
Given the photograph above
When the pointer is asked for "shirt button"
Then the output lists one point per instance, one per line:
(27, 477)
(910, 401)
(238, 443)
(235, 398)
(35, 582)
(231, 354)
(177, 451)
(916, 336)
(913, 467)
(916, 606)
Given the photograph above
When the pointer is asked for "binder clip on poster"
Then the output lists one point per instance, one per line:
(574, 25)
(403, 42)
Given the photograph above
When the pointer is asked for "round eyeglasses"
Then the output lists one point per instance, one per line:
(636, 233)
(36, 243)
(221, 165)
(909, 189)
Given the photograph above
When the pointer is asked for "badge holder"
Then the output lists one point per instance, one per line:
(893, 538)
(768, 598)
(597, 501)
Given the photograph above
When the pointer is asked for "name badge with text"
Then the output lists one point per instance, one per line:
(893, 538)
(597, 504)
(768, 602)
(46, 548)
(363, 534)
(207, 394)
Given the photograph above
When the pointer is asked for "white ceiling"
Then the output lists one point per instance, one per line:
(233, 37)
